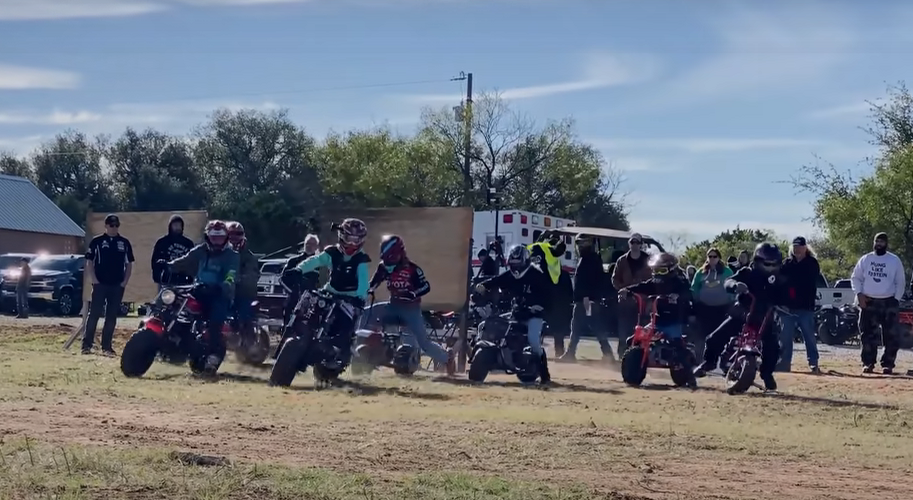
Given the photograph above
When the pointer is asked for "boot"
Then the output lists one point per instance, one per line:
(544, 376)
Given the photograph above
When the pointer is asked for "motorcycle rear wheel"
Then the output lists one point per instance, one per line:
(256, 354)
(741, 375)
(484, 360)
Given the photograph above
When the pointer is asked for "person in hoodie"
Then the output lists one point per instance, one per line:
(631, 268)
(711, 300)
(167, 248)
(589, 280)
(248, 276)
(801, 271)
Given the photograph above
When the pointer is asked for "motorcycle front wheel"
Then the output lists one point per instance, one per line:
(484, 360)
(288, 364)
(741, 374)
(139, 353)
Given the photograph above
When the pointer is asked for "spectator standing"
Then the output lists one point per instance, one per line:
(168, 248)
(711, 300)
(109, 263)
(800, 271)
(489, 266)
(589, 279)
(22, 289)
(878, 282)
(547, 255)
(630, 269)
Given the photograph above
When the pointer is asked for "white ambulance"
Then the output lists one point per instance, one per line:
(516, 227)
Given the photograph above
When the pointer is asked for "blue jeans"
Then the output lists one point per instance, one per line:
(805, 321)
(534, 334)
(411, 317)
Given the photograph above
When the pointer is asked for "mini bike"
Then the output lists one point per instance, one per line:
(649, 348)
(741, 358)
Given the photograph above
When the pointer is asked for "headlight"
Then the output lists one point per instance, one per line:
(168, 297)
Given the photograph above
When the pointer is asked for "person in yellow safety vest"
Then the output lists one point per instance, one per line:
(547, 254)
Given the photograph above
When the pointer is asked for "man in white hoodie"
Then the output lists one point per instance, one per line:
(878, 281)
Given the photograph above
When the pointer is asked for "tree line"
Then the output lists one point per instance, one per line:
(268, 172)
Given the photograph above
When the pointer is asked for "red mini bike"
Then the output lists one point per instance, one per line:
(742, 354)
(649, 348)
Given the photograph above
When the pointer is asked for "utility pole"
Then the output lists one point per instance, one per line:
(466, 116)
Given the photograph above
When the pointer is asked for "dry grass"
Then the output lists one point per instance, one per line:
(426, 438)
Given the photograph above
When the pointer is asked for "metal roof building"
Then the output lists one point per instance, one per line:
(31, 223)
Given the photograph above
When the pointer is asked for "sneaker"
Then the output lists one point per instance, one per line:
(769, 383)
(814, 370)
(86, 350)
(109, 353)
(868, 369)
(887, 371)
(568, 357)
(559, 351)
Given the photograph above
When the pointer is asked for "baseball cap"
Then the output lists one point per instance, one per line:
(799, 241)
(636, 237)
(111, 220)
(881, 236)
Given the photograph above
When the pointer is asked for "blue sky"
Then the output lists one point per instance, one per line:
(704, 105)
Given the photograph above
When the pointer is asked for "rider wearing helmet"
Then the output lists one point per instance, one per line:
(248, 276)
(532, 292)
(407, 284)
(674, 302)
(348, 264)
(762, 279)
(215, 266)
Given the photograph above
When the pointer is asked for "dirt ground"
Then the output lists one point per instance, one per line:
(834, 436)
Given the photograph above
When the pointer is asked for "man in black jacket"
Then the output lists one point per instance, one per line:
(589, 279)
(800, 272)
(168, 248)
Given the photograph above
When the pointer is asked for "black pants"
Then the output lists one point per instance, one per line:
(729, 328)
(709, 319)
(105, 300)
(559, 321)
(883, 313)
(627, 314)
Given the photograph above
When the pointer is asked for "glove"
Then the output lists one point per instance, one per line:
(623, 293)
(741, 288)
(161, 262)
(480, 288)
(536, 309)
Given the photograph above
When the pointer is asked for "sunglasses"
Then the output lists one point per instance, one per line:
(713, 256)
(768, 263)
(635, 242)
(116, 224)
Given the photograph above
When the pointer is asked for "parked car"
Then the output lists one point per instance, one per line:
(12, 260)
(56, 282)
(270, 292)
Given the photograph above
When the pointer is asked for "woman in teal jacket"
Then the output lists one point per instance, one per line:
(711, 300)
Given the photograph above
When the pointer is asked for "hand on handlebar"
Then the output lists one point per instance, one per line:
(536, 309)
(741, 288)
(624, 293)
(480, 288)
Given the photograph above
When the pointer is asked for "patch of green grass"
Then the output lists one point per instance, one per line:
(29, 470)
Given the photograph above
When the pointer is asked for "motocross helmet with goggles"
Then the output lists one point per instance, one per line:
(215, 235)
(352, 234)
(236, 235)
(767, 258)
(392, 251)
(519, 261)
(663, 263)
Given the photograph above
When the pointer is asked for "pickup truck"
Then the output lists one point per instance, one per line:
(841, 293)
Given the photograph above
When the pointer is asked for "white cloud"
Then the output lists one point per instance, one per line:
(56, 117)
(20, 146)
(769, 49)
(701, 145)
(599, 71)
(22, 77)
(854, 110)
(17, 10)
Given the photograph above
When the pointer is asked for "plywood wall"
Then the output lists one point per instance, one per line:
(143, 229)
(437, 239)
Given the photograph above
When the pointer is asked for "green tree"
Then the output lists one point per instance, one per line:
(852, 209)
(259, 168)
(10, 164)
(730, 243)
(68, 170)
(154, 171)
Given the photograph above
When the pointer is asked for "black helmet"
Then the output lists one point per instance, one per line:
(768, 257)
(663, 263)
(518, 260)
